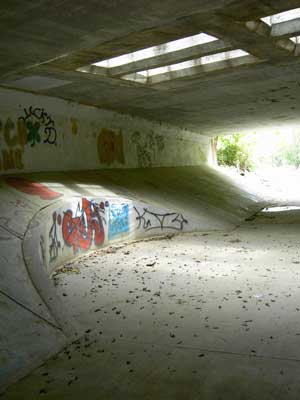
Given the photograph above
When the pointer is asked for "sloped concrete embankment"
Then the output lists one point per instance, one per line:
(48, 219)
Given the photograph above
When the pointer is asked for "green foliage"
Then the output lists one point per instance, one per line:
(233, 150)
(291, 155)
(288, 151)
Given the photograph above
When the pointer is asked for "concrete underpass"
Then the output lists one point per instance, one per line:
(130, 266)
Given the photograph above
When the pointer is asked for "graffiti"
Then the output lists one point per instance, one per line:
(86, 227)
(55, 244)
(74, 126)
(118, 220)
(148, 148)
(42, 247)
(10, 140)
(11, 157)
(33, 136)
(36, 118)
(32, 188)
(110, 147)
(149, 220)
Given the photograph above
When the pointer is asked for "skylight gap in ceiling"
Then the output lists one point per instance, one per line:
(295, 39)
(282, 17)
(227, 55)
(190, 67)
(149, 52)
(172, 60)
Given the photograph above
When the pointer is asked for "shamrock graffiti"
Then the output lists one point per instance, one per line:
(33, 135)
(38, 123)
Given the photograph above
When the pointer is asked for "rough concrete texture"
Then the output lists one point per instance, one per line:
(248, 97)
(40, 133)
(184, 321)
(194, 316)
(47, 219)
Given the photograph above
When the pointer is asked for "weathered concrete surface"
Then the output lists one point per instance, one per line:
(263, 94)
(40, 133)
(192, 316)
(26, 339)
(14, 279)
(47, 219)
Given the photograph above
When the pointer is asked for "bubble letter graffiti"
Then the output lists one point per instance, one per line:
(85, 227)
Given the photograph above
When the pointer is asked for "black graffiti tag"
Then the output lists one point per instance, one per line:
(150, 220)
(38, 118)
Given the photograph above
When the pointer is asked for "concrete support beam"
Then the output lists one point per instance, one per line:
(252, 9)
(286, 29)
(189, 25)
(202, 69)
(93, 69)
(172, 58)
(262, 29)
(255, 39)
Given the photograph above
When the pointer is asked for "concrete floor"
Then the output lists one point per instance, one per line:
(193, 316)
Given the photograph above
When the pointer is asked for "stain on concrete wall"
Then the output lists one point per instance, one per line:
(74, 126)
(110, 147)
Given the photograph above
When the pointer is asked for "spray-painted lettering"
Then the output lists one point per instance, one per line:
(86, 227)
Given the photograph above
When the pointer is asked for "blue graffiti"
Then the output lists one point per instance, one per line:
(118, 220)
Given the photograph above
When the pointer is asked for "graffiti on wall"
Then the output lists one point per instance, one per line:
(34, 127)
(32, 188)
(148, 148)
(55, 244)
(150, 220)
(118, 220)
(40, 126)
(86, 226)
(110, 147)
(13, 139)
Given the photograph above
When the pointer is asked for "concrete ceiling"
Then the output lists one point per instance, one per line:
(44, 42)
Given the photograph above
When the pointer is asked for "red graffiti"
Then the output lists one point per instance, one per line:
(80, 231)
(33, 188)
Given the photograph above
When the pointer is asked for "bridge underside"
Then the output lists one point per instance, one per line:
(45, 47)
(129, 264)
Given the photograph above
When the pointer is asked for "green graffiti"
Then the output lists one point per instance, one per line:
(33, 135)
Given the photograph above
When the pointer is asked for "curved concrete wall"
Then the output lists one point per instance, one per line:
(75, 225)
(109, 192)
(48, 219)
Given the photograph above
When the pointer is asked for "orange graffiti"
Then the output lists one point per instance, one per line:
(11, 158)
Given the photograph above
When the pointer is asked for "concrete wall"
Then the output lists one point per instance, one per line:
(47, 218)
(40, 133)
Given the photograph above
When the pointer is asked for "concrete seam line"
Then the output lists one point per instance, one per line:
(17, 235)
(29, 310)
